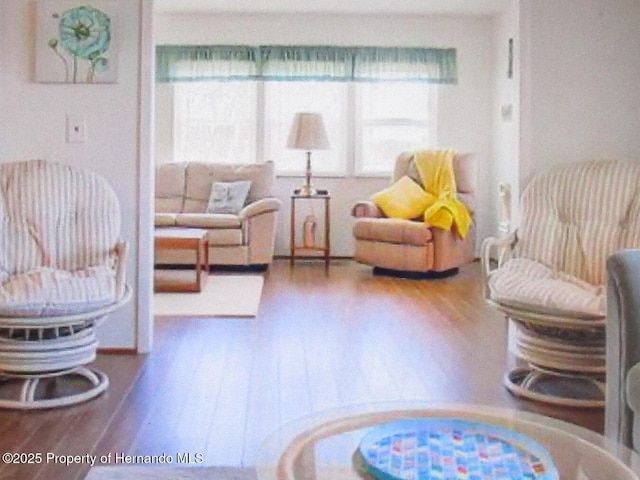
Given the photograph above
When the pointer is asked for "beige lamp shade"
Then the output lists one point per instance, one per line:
(308, 132)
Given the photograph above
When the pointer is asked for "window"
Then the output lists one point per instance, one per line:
(391, 118)
(283, 100)
(235, 103)
(368, 124)
(215, 122)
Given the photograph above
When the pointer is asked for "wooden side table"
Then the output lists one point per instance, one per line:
(325, 248)
(177, 239)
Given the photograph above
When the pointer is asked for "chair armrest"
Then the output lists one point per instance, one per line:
(121, 251)
(504, 246)
(632, 388)
(366, 209)
(623, 353)
(263, 205)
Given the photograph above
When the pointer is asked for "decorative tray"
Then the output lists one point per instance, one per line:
(451, 449)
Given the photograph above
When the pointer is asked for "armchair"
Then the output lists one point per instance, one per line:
(549, 277)
(410, 246)
(622, 406)
(62, 271)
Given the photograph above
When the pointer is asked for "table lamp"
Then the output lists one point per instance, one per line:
(308, 133)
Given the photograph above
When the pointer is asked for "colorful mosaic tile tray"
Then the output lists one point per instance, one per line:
(451, 449)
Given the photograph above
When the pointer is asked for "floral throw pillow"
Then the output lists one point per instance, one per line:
(228, 197)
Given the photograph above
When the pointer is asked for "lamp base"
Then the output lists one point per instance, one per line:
(306, 190)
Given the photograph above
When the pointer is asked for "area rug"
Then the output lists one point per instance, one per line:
(168, 473)
(222, 296)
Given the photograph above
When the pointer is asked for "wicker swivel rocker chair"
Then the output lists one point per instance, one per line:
(62, 270)
(550, 276)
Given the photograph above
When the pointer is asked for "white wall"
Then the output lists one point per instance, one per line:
(33, 126)
(506, 114)
(464, 110)
(580, 95)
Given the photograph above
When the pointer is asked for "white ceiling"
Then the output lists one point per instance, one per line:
(401, 7)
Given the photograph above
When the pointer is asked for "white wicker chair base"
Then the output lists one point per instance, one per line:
(50, 390)
(561, 355)
(43, 359)
(62, 353)
(556, 388)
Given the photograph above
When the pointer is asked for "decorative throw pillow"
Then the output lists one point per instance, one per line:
(228, 197)
(404, 199)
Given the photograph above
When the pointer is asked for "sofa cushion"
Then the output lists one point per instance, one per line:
(164, 219)
(197, 187)
(47, 291)
(200, 176)
(208, 220)
(392, 230)
(228, 197)
(169, 189)
(225, 237)
(261, 175)
(523, 283)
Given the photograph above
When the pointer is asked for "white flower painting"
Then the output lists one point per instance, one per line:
(76, 42)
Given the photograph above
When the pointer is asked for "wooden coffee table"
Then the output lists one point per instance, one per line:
(182, 239)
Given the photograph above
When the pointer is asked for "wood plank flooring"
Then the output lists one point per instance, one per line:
(218, 387)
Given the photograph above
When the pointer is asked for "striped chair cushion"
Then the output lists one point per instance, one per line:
(525, 284)
(574, 216)
(55, 216)
(49, 292)
(59, 229)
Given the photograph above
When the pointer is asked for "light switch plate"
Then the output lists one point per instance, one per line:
(76, 129)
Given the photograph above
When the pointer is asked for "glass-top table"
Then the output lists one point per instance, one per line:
(323, 446)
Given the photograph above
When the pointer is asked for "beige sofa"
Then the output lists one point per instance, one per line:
(397, 245)
(247, 238)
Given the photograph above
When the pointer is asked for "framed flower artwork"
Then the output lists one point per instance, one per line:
(76, 41)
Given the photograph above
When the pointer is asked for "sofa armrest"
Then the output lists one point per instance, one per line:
(164, 219)
(366, 209)
(264, 205)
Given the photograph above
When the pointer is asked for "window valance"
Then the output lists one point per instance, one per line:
(189, 63)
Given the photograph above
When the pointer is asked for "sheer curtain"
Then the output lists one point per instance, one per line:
(327, 63)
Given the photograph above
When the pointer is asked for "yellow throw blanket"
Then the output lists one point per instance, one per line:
(444, 209)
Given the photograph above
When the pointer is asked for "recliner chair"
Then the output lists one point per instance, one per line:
(412, 246)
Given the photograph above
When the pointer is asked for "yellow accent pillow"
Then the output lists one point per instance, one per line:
(404, 199)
